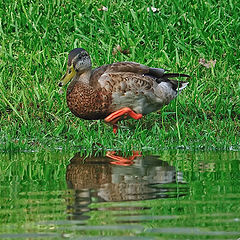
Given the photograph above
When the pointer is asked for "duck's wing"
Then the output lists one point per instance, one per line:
(132, 67)
(124, 67)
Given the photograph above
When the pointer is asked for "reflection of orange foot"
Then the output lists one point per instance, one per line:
(121, 160)
(114, 117)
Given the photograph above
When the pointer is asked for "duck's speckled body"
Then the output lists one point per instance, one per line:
(95, 94)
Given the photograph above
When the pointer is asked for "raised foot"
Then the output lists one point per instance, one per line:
(119, 113)
(114, 117)
(118, 160)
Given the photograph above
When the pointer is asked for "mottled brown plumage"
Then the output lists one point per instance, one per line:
(136, 88)
(89, 103)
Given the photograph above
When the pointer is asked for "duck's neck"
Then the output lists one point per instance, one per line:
(84, 78)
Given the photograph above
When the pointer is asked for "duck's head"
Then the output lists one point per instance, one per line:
(78, 63)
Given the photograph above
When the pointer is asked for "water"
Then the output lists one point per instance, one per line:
(172, 195)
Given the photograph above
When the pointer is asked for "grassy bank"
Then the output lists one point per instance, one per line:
(36, 37)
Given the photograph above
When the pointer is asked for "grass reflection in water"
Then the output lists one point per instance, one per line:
(175, 194)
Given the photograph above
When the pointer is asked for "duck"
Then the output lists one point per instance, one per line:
(116, 91)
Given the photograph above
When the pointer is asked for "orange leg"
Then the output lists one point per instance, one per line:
(114, 117)
(121, 160)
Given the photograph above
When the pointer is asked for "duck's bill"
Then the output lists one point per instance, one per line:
(67, 76)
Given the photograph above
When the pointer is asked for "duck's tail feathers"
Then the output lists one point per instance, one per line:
(177, 86)
(183, 85)
(159, 73)
(171, 75)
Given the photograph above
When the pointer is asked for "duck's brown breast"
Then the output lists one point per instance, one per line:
(88, 103)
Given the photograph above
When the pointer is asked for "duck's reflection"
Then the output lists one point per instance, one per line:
(114, 178)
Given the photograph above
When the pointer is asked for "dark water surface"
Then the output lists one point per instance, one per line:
(172, 195)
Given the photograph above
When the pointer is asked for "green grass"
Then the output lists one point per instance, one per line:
(36, 37)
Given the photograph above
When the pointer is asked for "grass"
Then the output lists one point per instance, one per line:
(37, 36)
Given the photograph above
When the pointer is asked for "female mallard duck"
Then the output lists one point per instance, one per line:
(116, 91)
